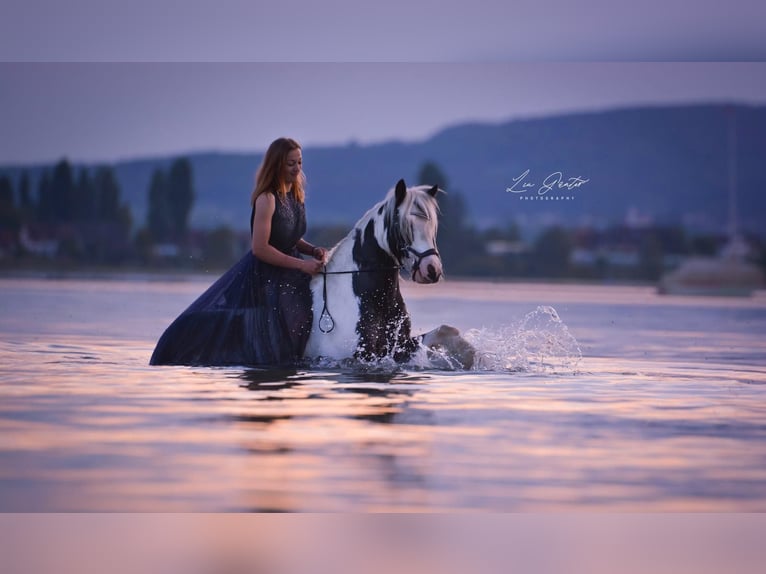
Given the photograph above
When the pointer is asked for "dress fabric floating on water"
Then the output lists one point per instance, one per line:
(254, 314)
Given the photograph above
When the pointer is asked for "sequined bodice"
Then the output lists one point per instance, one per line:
(288, 224)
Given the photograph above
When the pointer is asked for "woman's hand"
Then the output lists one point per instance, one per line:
(320, 253)
(311, 266)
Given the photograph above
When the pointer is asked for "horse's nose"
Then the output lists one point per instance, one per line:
(433, 274)
(432, 269)
(428, 270)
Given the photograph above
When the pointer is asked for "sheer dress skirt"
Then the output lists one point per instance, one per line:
(254, 314)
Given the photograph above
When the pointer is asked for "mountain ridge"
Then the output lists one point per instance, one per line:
(668, 162)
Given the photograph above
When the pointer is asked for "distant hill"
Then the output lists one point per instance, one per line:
(668, 163)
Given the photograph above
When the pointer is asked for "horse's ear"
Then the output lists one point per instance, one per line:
(433, 191)
(401, 191)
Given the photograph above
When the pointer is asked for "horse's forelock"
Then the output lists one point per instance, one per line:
(421, 200)
(417, 199)
(394, 229)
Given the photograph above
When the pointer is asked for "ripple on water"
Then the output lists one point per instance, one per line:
(657, 416)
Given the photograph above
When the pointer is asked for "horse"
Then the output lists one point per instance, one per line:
(358, 307)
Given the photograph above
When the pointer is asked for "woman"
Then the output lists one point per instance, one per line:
(259, 311)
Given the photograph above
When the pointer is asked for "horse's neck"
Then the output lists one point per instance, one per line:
(340, 257)
(381, 323)
(360, 250)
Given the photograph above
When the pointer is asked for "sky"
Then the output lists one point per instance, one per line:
(384, 30)
(106, 80)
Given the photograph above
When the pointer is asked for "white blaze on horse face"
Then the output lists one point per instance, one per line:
(424, 224)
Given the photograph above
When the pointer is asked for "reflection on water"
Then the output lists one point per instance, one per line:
(664, 412)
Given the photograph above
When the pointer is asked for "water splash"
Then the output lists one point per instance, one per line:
(539, 343)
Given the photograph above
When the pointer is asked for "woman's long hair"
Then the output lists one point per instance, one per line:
(270, 175)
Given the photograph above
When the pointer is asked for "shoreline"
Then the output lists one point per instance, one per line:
(146, 275)
(170, 274)
(103, 274)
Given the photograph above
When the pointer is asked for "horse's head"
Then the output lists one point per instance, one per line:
(412, 232)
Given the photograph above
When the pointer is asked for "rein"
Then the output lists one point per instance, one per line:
(326, 322)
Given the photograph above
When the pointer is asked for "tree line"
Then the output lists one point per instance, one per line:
(80, 211)
(79, 215)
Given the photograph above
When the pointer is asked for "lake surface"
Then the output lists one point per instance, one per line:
(587, 398)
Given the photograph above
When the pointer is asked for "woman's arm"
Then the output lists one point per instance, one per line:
(264, 211)
(308, 249)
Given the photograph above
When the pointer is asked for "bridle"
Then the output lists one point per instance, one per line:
(326, 322)
(419, 256)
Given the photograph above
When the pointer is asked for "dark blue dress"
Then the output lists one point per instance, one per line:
(255, 314)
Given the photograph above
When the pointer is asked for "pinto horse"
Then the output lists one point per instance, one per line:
(358, 308)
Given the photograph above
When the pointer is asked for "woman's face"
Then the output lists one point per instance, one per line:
(293, 165)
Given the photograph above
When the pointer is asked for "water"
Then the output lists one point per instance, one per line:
(586, 398)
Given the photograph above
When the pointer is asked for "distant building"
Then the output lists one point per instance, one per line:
(501, 247)
(166, 250)
(40, 242)
(634, 219)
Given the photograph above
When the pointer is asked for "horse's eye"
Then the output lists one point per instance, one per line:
(421, 215)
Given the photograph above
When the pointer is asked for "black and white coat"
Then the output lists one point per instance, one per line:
(360, 291)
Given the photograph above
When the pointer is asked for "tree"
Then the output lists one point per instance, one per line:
(62, 193)
(107, 192)
(86, 207)
(10, 217)
(6, 191)
(159, 220)
(651, 255)
(551, 251)
(46, 207)
(431, 174)
(171, 197)
(180, 194)
(458, 242)
(113, 215)
(26, 204)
